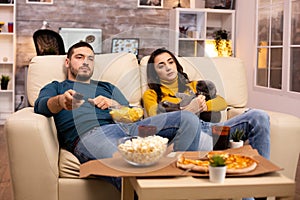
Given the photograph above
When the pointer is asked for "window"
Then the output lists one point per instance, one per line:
(294, 83)
(277, 41)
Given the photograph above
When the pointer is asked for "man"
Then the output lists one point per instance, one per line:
(80, 107)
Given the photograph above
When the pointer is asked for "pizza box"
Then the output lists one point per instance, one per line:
(117, 167)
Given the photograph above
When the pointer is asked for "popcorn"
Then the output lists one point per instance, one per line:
(143, 151)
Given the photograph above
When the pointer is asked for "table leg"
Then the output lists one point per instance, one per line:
(284, 198)
(127, 189)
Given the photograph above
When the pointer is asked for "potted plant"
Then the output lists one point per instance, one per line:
(217, 168)
(4, 82)
(222, 42)
(236, 139)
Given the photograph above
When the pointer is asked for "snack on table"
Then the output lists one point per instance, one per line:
(193, 164)
(126, 114)
(235, 163)
(143, 151)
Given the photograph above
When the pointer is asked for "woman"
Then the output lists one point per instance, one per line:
(170, 86)
(166, 78)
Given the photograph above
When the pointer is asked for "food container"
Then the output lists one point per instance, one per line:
(123, 114)
(142, 151)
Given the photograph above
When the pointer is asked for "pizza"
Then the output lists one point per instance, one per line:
(235, 163)
(192, 164)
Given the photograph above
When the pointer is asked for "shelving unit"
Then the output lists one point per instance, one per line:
(191, 30)
(7, 59)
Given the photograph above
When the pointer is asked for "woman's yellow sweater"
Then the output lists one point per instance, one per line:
(169, 91)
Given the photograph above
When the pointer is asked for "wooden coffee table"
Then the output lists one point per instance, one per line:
(188, 187)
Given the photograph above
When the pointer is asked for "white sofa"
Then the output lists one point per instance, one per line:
(41, 170)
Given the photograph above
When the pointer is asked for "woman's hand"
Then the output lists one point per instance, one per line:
(198, 104)
(103, 102)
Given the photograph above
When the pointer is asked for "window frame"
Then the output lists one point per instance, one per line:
(286, 54)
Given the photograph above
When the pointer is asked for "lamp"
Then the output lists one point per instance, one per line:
(222, 42)
(224, 48)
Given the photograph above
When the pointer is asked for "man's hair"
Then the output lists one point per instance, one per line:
(78, 45)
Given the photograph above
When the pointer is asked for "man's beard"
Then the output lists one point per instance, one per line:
(80, 77)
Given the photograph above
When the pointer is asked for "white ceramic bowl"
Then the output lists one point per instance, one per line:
(140, 151)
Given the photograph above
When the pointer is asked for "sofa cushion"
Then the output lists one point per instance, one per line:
(121, 69)
(39, 74)
(69, 165)
(233, 76)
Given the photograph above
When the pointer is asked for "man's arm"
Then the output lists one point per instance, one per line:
(64, 101)
(54, 104)
(51, 102)
(103, 102)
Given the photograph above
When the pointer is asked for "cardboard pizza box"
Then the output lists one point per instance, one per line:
(117, 167)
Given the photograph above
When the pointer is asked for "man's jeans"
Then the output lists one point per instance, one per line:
(181, 127)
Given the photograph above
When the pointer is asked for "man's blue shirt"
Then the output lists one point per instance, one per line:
(71, 124)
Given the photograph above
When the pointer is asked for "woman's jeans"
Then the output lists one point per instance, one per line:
(256, 125)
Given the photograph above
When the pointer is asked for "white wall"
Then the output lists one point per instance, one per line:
(245, 49)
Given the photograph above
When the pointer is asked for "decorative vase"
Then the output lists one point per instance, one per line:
(236, 144)
(217, 174)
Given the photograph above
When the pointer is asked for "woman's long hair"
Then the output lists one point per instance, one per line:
(154, 81)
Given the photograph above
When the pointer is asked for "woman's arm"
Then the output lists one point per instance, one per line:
(216, 104)
(150, 102)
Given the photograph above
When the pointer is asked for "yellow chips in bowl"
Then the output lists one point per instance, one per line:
(126, 114)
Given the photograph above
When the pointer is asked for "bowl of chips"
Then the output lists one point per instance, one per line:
(142, 151)
(124, 114)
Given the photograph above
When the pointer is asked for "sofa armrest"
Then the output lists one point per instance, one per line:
(33, 154)
(284, 136)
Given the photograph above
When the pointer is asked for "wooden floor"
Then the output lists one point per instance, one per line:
(5, 180)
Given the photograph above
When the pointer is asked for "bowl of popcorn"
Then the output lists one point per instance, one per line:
(142, 151)
(124, 114)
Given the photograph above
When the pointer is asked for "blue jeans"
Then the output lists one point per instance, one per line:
(255, 123)
(183, 129)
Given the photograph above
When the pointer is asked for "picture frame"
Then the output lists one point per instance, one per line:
(130, 45)
(220, 4)
(39, 1)
(150, 3)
